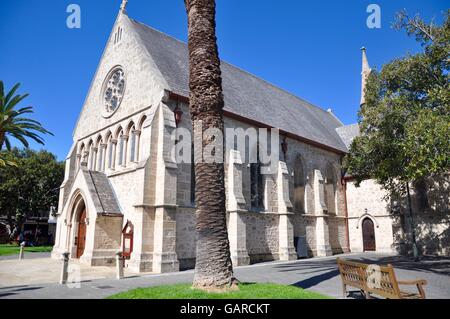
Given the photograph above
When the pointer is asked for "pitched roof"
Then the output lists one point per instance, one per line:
(348, 133)
(245, 94)
(102, 193)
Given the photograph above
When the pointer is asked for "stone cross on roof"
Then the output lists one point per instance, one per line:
(123, 6)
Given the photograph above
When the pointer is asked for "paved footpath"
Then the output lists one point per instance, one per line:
(316, 274)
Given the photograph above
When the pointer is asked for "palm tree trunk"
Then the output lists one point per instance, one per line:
(213, 268)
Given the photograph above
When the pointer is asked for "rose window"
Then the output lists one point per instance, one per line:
(114, 90)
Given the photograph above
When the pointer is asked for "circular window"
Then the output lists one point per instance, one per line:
(113, 90)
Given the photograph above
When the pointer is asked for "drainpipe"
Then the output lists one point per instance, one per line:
(347, 234)
(344, 187)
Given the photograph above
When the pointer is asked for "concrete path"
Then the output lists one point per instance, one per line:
(32, 271)
(316, 274)
(27, 255)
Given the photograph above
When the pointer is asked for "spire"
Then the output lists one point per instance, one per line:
(364, 75)
(123, 6)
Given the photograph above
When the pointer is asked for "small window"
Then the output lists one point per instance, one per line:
(110, 154)
(133, 145)
(121, 149)
(100, 157)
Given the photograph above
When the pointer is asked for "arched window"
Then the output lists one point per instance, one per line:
(330, 189)
(138, 138)
(121, 149)
(256, 183)
(133, 140)
(98, 158)
(110, 152)
(80, 155)
(90, 154)
(299, 185)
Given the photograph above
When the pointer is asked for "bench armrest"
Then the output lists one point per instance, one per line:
(412, 282)
(419, 283)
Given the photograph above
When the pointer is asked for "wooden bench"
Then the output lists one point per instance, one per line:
(378, 280)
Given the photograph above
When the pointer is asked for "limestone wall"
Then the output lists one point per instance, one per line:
(338, 238)
(143, 86)
(431, 218)
(367, 201)
(186, 240)
(305, 226)
(262, 236)
(262, 227)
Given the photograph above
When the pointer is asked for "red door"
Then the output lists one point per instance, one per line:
(81, 238)
(368, 235)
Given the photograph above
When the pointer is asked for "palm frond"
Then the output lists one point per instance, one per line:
(14, 124)
(11, 93)
(7, 143)
(21, 138)
(15, 100)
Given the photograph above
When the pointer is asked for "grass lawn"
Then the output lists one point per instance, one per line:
(246, 291)
(7, 249)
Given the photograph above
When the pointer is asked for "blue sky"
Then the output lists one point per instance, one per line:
(310, 48)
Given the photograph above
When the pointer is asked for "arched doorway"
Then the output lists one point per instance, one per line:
(368, 232)
(80, 240)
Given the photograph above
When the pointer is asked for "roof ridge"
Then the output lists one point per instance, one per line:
(347, 125)
(240, 69)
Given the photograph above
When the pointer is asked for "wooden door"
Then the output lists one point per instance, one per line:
(368, 235)
(81, 238)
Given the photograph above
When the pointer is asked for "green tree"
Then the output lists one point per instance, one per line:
(213, 267)
(14, 123)
(405, 122)
(29, 188)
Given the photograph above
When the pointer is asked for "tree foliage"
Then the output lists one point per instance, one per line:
(405, 122)
(14, 123)
(31, 187)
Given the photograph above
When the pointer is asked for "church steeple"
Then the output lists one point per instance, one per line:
(364, 75)
(123, 6)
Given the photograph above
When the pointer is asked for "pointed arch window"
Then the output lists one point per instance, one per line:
(121, 149)
(111, 151)
(330, 189)
(299, 185)
(256, 183)
(133, 144)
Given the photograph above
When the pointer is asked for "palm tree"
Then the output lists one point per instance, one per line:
(12, 120)
(213, 268)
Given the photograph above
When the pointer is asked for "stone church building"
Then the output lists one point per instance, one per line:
(122, 192)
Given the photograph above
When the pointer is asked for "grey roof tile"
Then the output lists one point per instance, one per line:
(348, 133)
(102, 193)
(245, 94)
